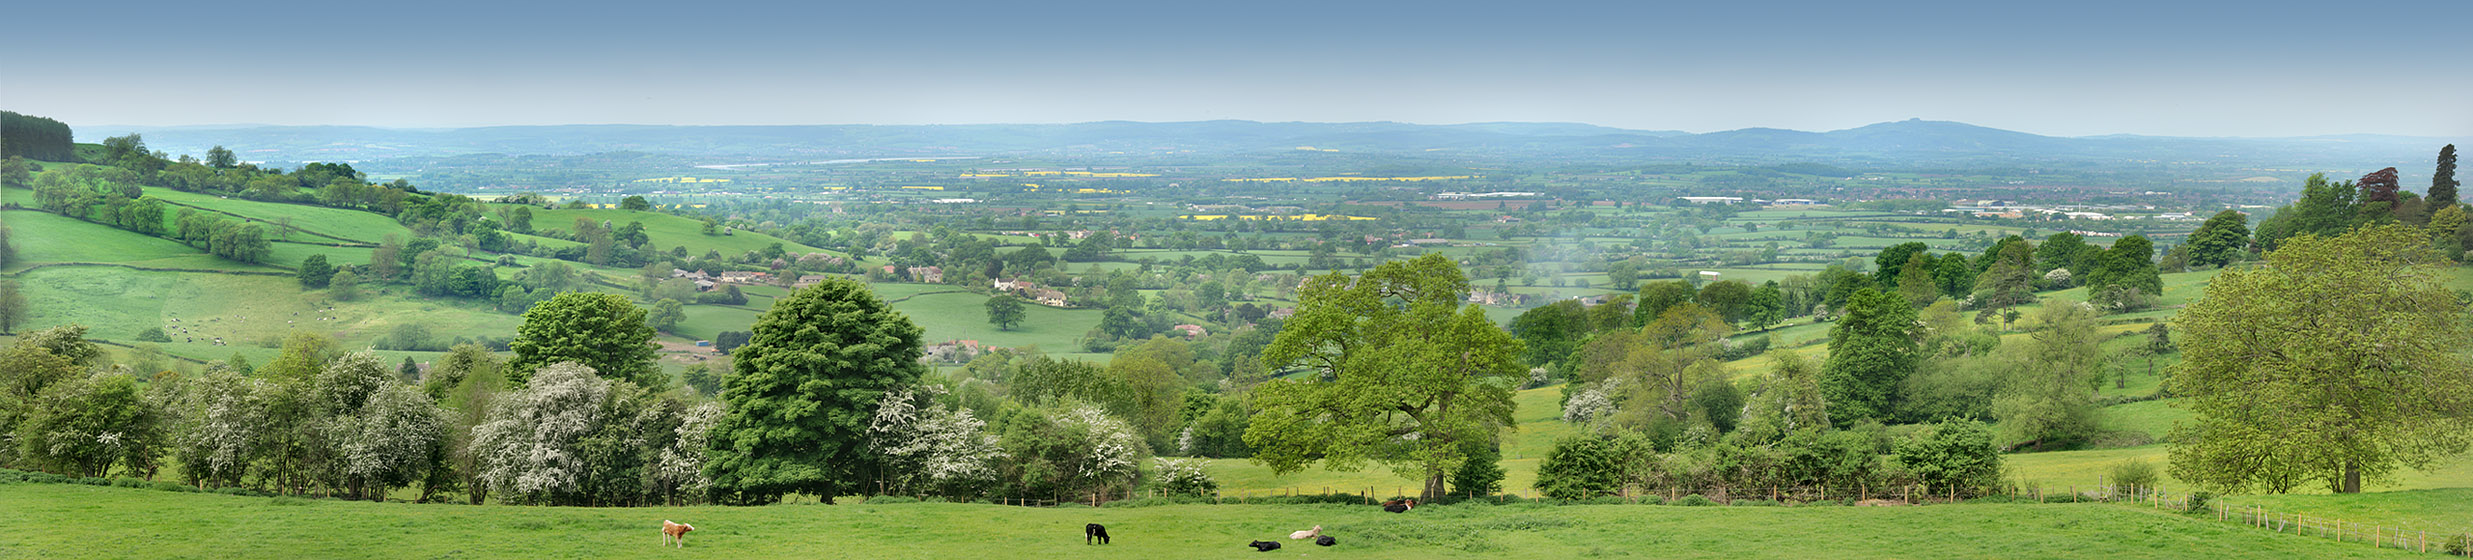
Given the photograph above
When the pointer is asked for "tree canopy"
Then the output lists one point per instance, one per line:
(2341, 360)
(1400, 373)
(799, 401)
(602, 331)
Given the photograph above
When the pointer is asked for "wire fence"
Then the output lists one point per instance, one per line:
(2451, 543)
(2448, 542)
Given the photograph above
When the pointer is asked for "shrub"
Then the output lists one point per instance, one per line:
(1693, 500)
(1771, 503)
(169, 486)
(1580, 467)
(1605, 501)
(2459, 545)
(130, 483)
(95, 481)
(1185, 477)
(1958, 453)
(2133, 478)
(2199, 501)
(892, 500)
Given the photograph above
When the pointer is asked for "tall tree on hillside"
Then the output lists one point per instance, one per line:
(1657, 296)
(2443, 183)
(1954, 274)
(1871, 351)
(2340, 360)
(1004, 311)
(12, 306)
(1403, 374)
(798, 402)
(8, 246)
(2378, 195)
(2047, 396)
(315, 273)
(2324, 209)
(1915, 282)
(1892, 261)
(16, 172)
(2223, 239)
(219, 157)
(2010, 278)
(1728, 298)
(602, 331)
(636, 203)
(1550, 332)
(2129, 263)
(2065, 250)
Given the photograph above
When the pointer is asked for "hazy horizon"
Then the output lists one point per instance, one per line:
(2093, 68)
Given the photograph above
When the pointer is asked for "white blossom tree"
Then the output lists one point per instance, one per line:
(219, 419)
(526, 449)
(393, 441)
(932, 448)
(679, 473)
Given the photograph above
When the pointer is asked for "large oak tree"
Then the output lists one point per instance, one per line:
(1396, 371)
(2342, 359)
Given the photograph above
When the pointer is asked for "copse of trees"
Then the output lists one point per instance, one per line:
(35, 138)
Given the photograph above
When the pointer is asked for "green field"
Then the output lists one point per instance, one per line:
(355, 225)
(75, 521)
(49, 238)
(670, 231)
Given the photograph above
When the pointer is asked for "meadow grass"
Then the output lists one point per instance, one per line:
(76, 521)
(356, 225)
(49, 238)
(669, 231)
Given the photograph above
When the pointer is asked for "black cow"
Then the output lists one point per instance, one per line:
(1263, 546)
(1326, 540)
(1094, 532)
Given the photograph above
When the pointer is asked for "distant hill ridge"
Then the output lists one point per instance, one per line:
(1911, 141)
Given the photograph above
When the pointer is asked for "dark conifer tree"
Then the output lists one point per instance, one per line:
(2443, 183)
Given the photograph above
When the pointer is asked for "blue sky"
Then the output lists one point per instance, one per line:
(2059, 68)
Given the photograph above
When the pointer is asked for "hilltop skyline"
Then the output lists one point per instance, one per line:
(2193, 69)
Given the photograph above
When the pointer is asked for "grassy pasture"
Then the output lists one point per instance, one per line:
(74, 521)
(669, 231)
(50, 238)
(365, 227)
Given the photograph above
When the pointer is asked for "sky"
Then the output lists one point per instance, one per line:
(2091, 67)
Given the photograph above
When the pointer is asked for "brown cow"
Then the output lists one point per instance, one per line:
(675, 532)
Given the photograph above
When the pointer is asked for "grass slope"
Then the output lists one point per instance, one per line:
(669, 231)
(70, 521)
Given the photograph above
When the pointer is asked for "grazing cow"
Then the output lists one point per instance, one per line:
(1094, 532)
(1399, 506)
(675, 532)
(1263, 546)
(1326, 540)
(1306, 534)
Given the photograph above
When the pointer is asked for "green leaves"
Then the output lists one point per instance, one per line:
(1396, 372)
(798, 404)
(1871, 351)
(2342, 358)
(603, 331)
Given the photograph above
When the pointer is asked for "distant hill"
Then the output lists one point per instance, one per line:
(1902, 143)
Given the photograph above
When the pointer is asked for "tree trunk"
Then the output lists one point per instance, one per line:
(1433, 486)
(2352, 478)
